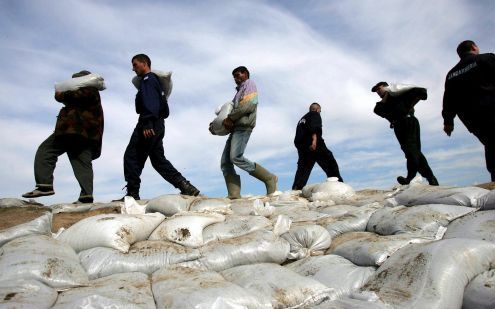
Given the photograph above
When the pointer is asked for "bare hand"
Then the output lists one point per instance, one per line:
(448, 129)
(228, 124)
(312, 147)
(148, 133)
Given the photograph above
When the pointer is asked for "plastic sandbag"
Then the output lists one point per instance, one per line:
(333, 271)
(278, 285)
(263, 209)
(90, 80)
(220, 205)
(338, 210)
(144, 256)
(182, 287)
(116, 231)
(40, 226)
(299, 214)
(15, 202)
(282, 225)
(487, 201)
(234, 226)
(352, 221)
(480, 292)
(331, 189)
(423, 220)
(351, 303)
(170, 204)
(164, 77)
(478, 225)
(26, 294)
(222, 111)
(307, 240)
(431, 275)
(129, 290)
(131, 207)
(186, 228)
(42, 258)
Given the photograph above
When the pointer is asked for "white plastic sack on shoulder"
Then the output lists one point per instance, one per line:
(222, 111)
(26, 294)
(186, 228)
(40, 226)
(129, 290)
(331, 189)
(170, 204)
(182, 287)
(115, 231)
(431, 275)
(307, 240)
(42, 258)
(487, 201)
(144, 256)
(234, 226)
(398, 89)
(423, 220)
(90, 80)
(480, 292)
(220, 205)
(278, 285)
(477, 225)
(165, 78)
(131, 207)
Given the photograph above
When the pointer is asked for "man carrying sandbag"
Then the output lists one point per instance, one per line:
(147, 138)
(78, 132)
(240, 122)
(397, 106)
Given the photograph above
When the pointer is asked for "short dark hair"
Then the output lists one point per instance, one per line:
(81, 73)
(465, 47)
(375, 87)
(313, 104)
(241, 69)
(142, 58)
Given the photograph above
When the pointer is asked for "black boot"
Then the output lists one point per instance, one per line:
(186, 188)
(403, 180)
(432, 181)
(131, 191)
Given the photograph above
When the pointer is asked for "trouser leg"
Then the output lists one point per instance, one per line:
(237, 147)
(135, 156)
(305, 164)
(81, 161)
(161, 164)
(45, 161)
(326, 160)
(487, 138)
(226, 164)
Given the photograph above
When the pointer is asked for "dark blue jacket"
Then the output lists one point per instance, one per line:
(148, 100)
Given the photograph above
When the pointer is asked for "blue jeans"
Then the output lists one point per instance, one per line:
(233, 153)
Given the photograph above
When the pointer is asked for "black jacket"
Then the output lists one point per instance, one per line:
(308, 125)
(398, 107)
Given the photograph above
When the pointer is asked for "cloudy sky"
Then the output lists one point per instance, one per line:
(298, 52)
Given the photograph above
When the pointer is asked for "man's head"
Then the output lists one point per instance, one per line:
(240, 74)
(315, 107)
(141, 64)
(81, 73)
(380, 89)
(466, 48)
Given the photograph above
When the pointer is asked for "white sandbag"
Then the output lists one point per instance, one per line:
(282, 225)
(263, 209)
(431, 275)
(245, 207)
(26, 294)
(331, 189)
(39, 226)
(182, 287)
(370, 249)
(299, 214)
(164, 77)
(131, 207)
(90, 80)
(418, 194)
(234, 226)
(480, 292)
(129, 290)
(487, 201)
(334, 271)
(351, 303)
(220, 205)
(337, 210)
(278, 285)
(423, 220)
(257, 247)
(117, 231)
(477, 225)
(42, 258)
(222, 111)
(352, 221)
(170, 204)
(8, 202)
(307, 240)
(186, 228)
(144, 256)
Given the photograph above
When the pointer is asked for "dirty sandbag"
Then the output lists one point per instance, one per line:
(423, 220)
(477, 225)
(351, 303)
(205, 204)
(42, 258)
(257, 247)
(335, 272)
(170, 204)
(90, 80)
(222, 111)
(431, 275)
(128, 290)
(182, 287)
(41, 226)
(331, 189)
(337, 210)
(307, 240)
(186, 228)
(487, 201)
(480, 292)
(299, 214)
(282, 225)
(116, 231)
(144, 256)
(370, 249)
(26, 294)
(132, 207)
(234, 226)
(165, 78)
(8, 202)
(263, 209)
(278, 285)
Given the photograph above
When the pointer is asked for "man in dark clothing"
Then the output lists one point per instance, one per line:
(311, 148)
(147, 138)
(398, 108)
(78, 132)
(470, 94)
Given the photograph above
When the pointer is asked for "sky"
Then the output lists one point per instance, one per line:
(298, 52)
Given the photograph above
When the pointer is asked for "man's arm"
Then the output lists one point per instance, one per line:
(449, 111)
(150, 96)
(314, 141)
(85, 95)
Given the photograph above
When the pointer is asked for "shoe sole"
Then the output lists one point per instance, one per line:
(38, 194)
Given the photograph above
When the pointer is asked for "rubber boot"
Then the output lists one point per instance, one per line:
(268, 178)
(432, 181)
(233, 182)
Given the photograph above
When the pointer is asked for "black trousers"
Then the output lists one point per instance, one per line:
(486, 136)
(307, 159)
(407, 132)
(138, 151)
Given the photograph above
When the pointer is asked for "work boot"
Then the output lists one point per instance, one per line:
(186, 188)
(233, 182)
(131, 191)
(84, 200)
(403, 180)
(432, 181)
(268, 178)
